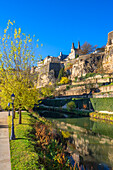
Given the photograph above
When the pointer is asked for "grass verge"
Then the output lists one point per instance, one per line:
(23, 154)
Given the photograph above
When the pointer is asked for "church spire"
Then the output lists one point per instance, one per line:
(73, 46)
(78, 44)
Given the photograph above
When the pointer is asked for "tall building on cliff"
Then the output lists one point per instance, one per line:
(74, 51)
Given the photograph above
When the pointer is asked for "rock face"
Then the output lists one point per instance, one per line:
(75, 66)
(86, 63)
(48, 73)
(108, 59)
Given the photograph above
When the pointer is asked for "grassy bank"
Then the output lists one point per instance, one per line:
(23, 154)
(37, 145)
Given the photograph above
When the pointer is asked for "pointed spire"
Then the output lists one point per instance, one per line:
(73, 46)
(78, 44)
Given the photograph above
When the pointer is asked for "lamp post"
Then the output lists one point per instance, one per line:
(12, 137)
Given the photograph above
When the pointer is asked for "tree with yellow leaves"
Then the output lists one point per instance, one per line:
(16, 57)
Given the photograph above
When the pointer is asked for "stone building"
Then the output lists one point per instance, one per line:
(74, 51)
(51, 59)
(62, 57)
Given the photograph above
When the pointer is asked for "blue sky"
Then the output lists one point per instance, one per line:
(58, 23)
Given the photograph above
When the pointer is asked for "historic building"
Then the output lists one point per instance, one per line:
(74, 51)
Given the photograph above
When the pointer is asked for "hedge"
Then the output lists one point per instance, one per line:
(101, 104)
(98, 104)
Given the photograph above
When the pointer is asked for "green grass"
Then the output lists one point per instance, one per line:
(23, 154)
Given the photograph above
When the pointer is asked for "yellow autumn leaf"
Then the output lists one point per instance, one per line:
(18, 36)
(30, 40)
(11, 42)
(11, 23)
(5, 30)
(15, 31)
(19, 30)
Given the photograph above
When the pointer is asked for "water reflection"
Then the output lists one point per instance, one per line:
(93, 140)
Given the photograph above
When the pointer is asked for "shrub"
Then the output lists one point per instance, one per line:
(67, 87)
(61, 74)
(90, 75)
(50, 146)
(64, 80)
(71, 105)
(76, 79)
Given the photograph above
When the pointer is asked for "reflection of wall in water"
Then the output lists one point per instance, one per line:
(90, 145)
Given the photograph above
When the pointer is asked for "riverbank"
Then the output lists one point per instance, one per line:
(37, 145)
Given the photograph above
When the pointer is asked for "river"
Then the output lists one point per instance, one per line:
(92, 140)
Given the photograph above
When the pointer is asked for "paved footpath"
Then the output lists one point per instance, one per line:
(5, 163)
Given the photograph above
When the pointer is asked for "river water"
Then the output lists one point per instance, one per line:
(92, 140)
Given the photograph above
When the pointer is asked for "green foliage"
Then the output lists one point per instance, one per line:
(71, 106)
(76, 56)
(90, 75)
(61, 74)
(101, 104)
(67, 87)
(16, 57)
(47, 91)
(76, 79)
(55, 102)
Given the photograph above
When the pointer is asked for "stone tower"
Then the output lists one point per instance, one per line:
(110, 38)
(73, 48)
(79, 45)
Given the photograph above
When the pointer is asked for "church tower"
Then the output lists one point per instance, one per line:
(73, 48)
(78, 45)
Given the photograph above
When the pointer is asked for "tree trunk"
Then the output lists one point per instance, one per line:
(20, 119)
